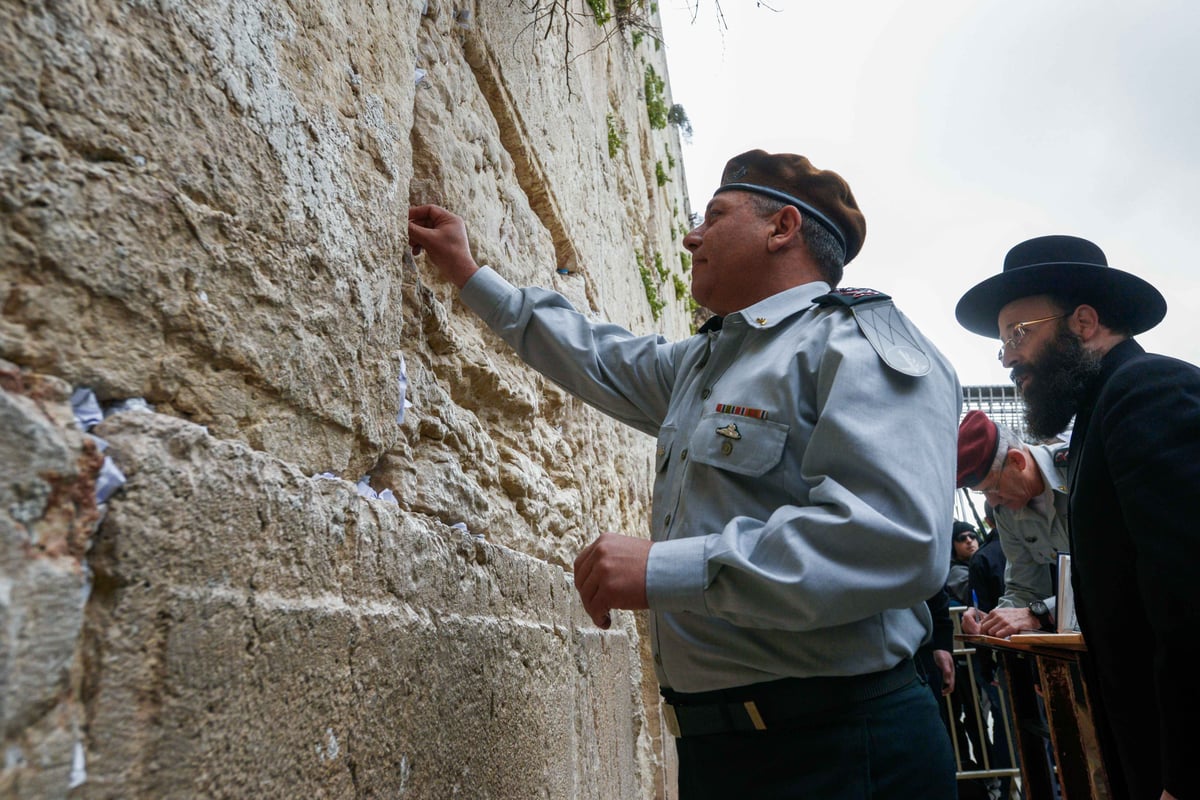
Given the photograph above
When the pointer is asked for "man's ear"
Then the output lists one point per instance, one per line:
(785, 228)
(1017, 458)
(1084, 321)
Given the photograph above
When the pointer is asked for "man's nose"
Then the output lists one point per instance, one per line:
(693, 239)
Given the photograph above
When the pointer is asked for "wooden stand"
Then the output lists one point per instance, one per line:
(1072, 715)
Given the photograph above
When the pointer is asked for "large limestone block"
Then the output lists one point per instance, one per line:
(47, 510)
(537, 94)
(201, 203)
(525, 65)
(487, 441)
(255, 632)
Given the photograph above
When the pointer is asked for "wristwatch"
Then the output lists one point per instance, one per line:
(1039, 610)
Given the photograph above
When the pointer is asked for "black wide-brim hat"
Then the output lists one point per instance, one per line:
(1063, 265)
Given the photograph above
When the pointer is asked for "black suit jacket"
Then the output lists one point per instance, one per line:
(1135, 546)
(986, 572)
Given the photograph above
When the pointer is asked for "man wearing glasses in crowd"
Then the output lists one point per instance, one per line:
(1133, 473)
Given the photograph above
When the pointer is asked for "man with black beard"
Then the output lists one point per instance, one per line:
(1066, 319)
(1054, 380)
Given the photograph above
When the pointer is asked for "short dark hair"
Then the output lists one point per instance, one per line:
(826, 251)
(1067, 303)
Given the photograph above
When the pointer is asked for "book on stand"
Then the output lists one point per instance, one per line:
(1064, 604)
(1066, 633)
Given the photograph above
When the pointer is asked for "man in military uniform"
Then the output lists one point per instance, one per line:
(1026, 486)
(1066, 320)
(803, 495)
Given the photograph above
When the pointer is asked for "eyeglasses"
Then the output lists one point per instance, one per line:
(995, 487)
(1020, 331)
(962, 537)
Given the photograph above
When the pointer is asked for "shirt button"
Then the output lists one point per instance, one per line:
(667, 521)
(658, 659)
(683, 455)
(727, 447)
(704, 395)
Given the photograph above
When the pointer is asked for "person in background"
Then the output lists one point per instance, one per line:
(963, 544)
(1066, 321)
(986, 580)
(985, 573)
(935, 658)
(803, 491)
(960, 714)
(1026, 485)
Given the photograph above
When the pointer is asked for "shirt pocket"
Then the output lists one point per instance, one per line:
(742, 445)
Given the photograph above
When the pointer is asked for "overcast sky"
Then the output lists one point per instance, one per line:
(964, 127)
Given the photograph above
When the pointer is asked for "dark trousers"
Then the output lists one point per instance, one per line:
(890, 748)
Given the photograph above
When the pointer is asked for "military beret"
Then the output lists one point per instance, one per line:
(792, 179)
(978, 440)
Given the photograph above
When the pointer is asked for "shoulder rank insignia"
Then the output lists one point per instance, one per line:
(1062, 457)
(849, 296)
(884, 326)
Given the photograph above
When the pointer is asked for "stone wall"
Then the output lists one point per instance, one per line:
(202, 205)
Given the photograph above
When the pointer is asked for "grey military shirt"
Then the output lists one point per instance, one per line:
(803, 494)
(1033, 536)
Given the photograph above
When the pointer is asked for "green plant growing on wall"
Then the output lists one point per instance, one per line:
(663, 272)
(660, 174)
(656, 102)
(679, 118)
(615, 141)
(656, 303)
(682, 290)
(599, 11)
(685, 260)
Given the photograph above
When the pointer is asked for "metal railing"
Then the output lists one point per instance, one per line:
(980, 723)
(1000, 402)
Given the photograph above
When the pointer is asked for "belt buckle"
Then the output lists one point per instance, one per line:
(755, 717)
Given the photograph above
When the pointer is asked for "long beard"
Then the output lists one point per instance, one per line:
(1061, 376)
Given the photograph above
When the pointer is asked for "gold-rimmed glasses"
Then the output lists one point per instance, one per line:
(1020, 331)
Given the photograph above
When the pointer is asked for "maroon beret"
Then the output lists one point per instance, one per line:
(793, 179)
(977, 443)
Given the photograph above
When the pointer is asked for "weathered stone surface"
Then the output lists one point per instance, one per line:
(47, 510)
(192, 198)
(253, 632)
(203, 204)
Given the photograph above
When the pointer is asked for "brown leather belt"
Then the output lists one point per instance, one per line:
(775, 704)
